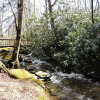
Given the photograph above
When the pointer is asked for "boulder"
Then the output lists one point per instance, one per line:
(43, 75)
(32, 67)
(23, 74)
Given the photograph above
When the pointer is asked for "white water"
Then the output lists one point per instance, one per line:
(72, 86)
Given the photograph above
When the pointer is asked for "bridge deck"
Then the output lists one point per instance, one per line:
(10, 43)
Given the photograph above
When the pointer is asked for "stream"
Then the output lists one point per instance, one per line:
(65, 86)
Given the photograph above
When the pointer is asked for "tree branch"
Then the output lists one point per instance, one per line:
(54, 3)
(15, 19)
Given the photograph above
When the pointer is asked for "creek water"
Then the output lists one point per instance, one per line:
(66, 86)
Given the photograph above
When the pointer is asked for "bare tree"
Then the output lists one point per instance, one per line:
(97, 5)
(18, 31)
(50, 6)
(34, 7)
(1, 18)
(1, 34)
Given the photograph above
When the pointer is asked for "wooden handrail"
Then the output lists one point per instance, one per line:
(10, 42)
(7, 39)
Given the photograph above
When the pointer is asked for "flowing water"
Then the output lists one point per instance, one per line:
(66, 86)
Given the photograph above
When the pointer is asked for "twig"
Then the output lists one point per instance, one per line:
(54, 3)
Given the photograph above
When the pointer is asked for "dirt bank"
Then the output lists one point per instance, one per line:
(13, 89)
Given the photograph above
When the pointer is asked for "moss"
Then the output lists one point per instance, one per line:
(39, 82)
(44, 95)
(42, 98)
(21, 73)
(4, 67)
(6, 49)
(1, 55)
(6, 53)
(8, 56)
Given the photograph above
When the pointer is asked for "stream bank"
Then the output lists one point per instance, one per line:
(12, 89)
(63, 85)
(25, 87)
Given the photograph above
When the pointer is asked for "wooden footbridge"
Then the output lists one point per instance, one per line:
(10, 43)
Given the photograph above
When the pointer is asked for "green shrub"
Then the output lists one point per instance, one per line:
(80, 49)
(76, 46)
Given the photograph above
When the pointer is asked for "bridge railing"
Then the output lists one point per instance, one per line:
(10, 42)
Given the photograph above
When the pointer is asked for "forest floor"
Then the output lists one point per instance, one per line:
(14, 89)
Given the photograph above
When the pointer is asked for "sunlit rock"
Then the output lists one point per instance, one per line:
(43, 75)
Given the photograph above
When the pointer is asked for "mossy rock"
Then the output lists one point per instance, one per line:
(6, 53)
(5, 56)
(21, 74)
(2, 66)
(8, 56)
(6, 49)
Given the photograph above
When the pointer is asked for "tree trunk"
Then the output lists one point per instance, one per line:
(51, 18)
(98, 5)
(1, 23)
(92, 11)
(85, 3)
(46, 11)
(34, 7)
(18, 35)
